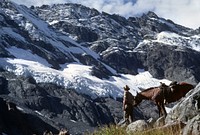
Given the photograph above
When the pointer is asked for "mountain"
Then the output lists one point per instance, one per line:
(32, 47)
(165, 49)
(66, 64)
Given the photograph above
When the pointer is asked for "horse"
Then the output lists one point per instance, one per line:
(176, 91)
(154, 94)
(164, 94)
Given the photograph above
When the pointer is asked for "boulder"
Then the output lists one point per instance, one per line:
(193, 126)
(138, 125)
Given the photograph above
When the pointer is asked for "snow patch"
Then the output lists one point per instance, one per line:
(79, 77)
(169, 38)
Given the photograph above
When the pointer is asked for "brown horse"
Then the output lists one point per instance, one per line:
(154, 94)
(176, 91)
(164, 94)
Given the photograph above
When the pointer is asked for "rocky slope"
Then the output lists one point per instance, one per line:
(187, 112)
(155, 44)
(54, 108)
(105, 42)
(183, 118)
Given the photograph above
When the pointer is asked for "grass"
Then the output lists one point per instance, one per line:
(116, 130)
(110, 130)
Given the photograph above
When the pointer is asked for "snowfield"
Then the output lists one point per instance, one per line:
(76, 75)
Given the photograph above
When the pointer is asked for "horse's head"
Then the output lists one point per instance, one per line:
(173, 86)
(138, 99)
(163, 86)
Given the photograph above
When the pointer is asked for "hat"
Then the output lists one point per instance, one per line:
(173, 83)
(126, 87)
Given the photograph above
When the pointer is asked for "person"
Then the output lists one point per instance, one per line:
(128, 105)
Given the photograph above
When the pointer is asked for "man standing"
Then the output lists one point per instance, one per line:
(128, 105)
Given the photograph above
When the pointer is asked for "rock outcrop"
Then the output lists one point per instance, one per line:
(58, 108)
(139, 125)
(183, 118)
(187, 111)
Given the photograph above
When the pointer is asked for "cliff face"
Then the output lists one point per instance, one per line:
(70, 33)
(149, 42)
(53, 106)
(165, 49)
(50, 107)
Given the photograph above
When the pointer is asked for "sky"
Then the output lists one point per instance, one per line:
(183, 12)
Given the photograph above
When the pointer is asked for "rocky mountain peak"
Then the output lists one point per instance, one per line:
(22, 26)
(106, 46)
(152, 15)
(67, 11)
(110, 36)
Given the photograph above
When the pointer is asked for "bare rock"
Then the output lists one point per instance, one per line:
(187, 108)
(193, 127)
(138, 125)
(160, 122)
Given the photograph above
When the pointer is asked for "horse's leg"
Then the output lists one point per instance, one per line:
(163, 109)
(159, 108)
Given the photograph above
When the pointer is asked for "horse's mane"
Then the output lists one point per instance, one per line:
(148, 89)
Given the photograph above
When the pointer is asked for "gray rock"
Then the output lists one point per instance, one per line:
(139, 125)
(187, 111)
(59, 107)
(151, 122)
(65, 108)
(193, 126)
(160, 122)
(187, 108)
